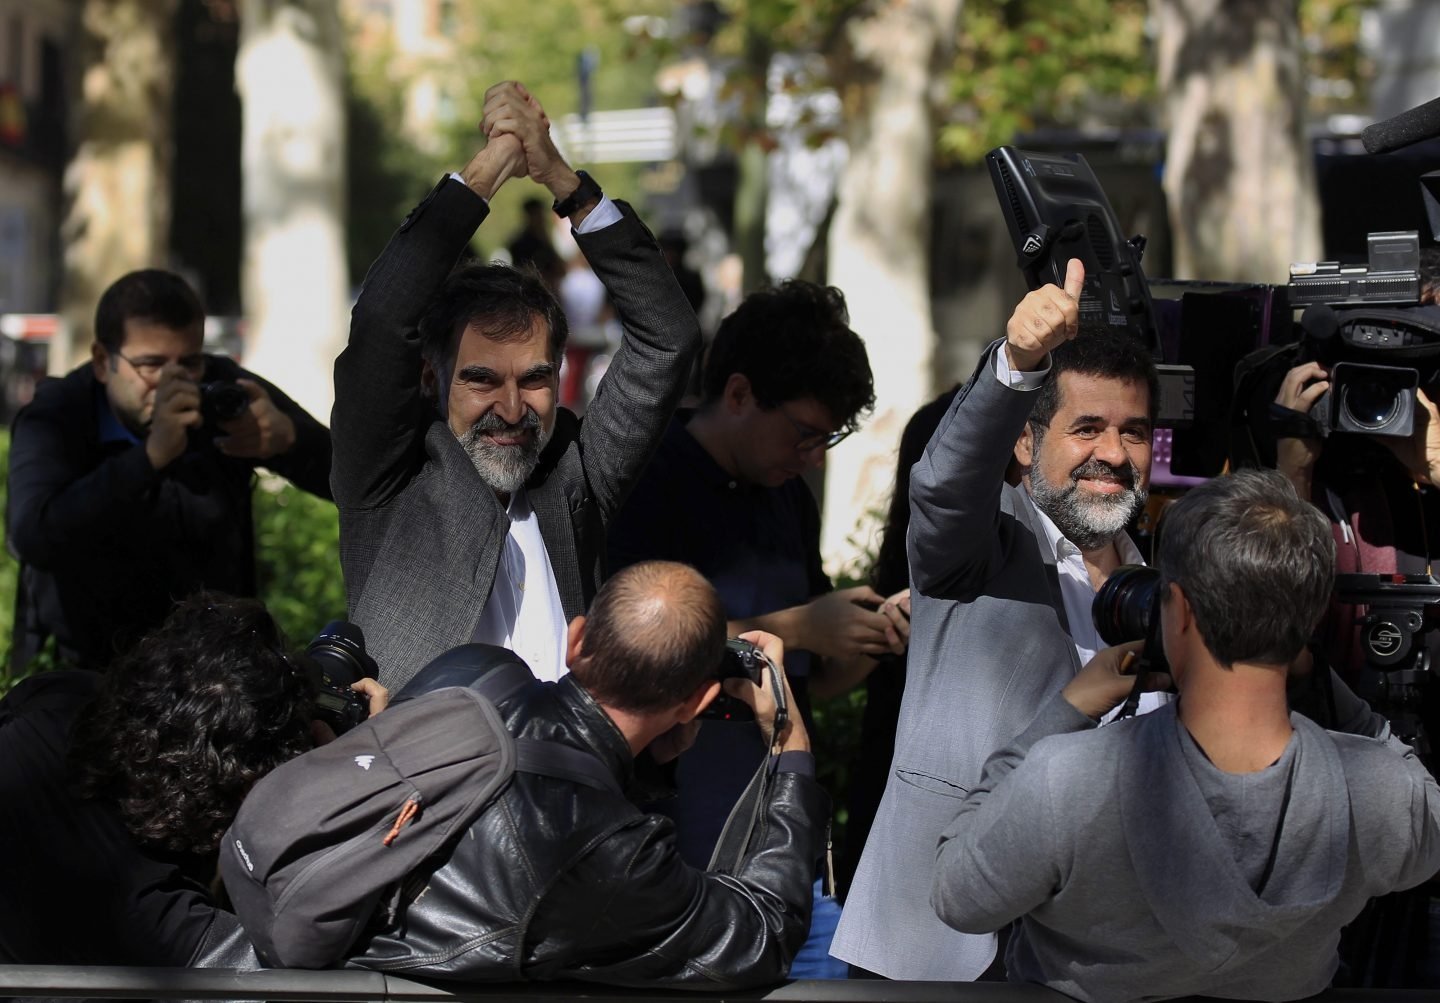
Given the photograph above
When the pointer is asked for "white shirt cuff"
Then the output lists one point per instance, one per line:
(1018, 380)
(604, 214)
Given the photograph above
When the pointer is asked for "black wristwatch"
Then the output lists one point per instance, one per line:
(587, 192)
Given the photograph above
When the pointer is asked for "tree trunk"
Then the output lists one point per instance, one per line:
(294, 285)
(879, 244)
(752, 184)
(117, 184)
(1239, 171)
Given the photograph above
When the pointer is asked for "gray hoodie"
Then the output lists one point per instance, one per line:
(1105, 844)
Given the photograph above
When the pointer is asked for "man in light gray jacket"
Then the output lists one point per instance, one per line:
(1002, 578)
(1218, 845)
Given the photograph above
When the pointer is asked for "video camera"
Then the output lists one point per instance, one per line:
(1376, 358)
(1366, 326)
(334, 660)
(1399, 610)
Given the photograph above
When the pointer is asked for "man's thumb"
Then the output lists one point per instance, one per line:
(1074, 278)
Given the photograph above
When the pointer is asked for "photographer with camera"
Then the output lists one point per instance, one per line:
(1347, 411)
(118, 787)
(130, 477)
(564, 877)
(1217, 846)
(1378, 492)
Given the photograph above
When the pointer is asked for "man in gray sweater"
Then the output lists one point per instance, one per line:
(1218, 845)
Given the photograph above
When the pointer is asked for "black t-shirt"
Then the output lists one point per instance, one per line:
(77, 889)
(760, 548)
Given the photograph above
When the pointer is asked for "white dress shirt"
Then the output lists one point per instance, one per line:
(524, 612)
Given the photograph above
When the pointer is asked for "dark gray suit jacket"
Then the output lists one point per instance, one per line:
(421, 534)
(988, 646)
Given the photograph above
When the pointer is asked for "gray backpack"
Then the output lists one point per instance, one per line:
(321, 841)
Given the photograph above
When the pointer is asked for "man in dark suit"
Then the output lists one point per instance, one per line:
(472, 508)
(127, 492)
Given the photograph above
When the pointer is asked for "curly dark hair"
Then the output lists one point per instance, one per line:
(791, 342)
(184, 725)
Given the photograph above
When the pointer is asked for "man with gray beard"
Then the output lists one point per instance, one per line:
(472, 507)
(1002, 578)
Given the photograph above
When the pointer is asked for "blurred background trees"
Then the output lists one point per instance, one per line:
(267, 148)
(117, 183)
(295, 286)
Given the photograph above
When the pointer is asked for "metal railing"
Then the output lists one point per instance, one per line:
(62, 981)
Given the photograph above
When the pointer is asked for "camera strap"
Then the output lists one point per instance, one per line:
(746, 821)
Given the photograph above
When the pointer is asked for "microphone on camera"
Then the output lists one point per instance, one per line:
(1320, 322)
(1409, 127)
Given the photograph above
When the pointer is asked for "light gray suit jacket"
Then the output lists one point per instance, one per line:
(988, 646)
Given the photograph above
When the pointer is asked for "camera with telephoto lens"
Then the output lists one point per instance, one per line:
(1127, 608)
(744, 660)
(221, 401)
(335, 659)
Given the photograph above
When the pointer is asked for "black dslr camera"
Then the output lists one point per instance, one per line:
(744, 660)
(335, 659)
(222, 400)
(1127, 608)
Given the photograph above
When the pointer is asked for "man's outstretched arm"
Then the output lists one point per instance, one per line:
(955, 486)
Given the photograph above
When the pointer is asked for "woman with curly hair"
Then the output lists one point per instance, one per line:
(118, 788)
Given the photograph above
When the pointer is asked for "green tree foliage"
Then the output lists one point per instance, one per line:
(297, 549)
(1027, 64)
(1023, 64)
(1340, 72)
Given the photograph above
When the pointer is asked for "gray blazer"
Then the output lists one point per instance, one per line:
(421, 534)
(988, 645)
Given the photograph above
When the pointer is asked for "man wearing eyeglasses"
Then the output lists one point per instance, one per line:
(123, 495)
(784, 381)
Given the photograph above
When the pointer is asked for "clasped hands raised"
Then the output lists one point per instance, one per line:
(518, 144)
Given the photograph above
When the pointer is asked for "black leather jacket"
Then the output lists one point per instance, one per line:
(559, 880)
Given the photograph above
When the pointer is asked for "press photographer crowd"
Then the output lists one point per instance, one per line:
(1149, 640)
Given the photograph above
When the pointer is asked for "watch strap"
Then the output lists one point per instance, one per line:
(586, 192)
